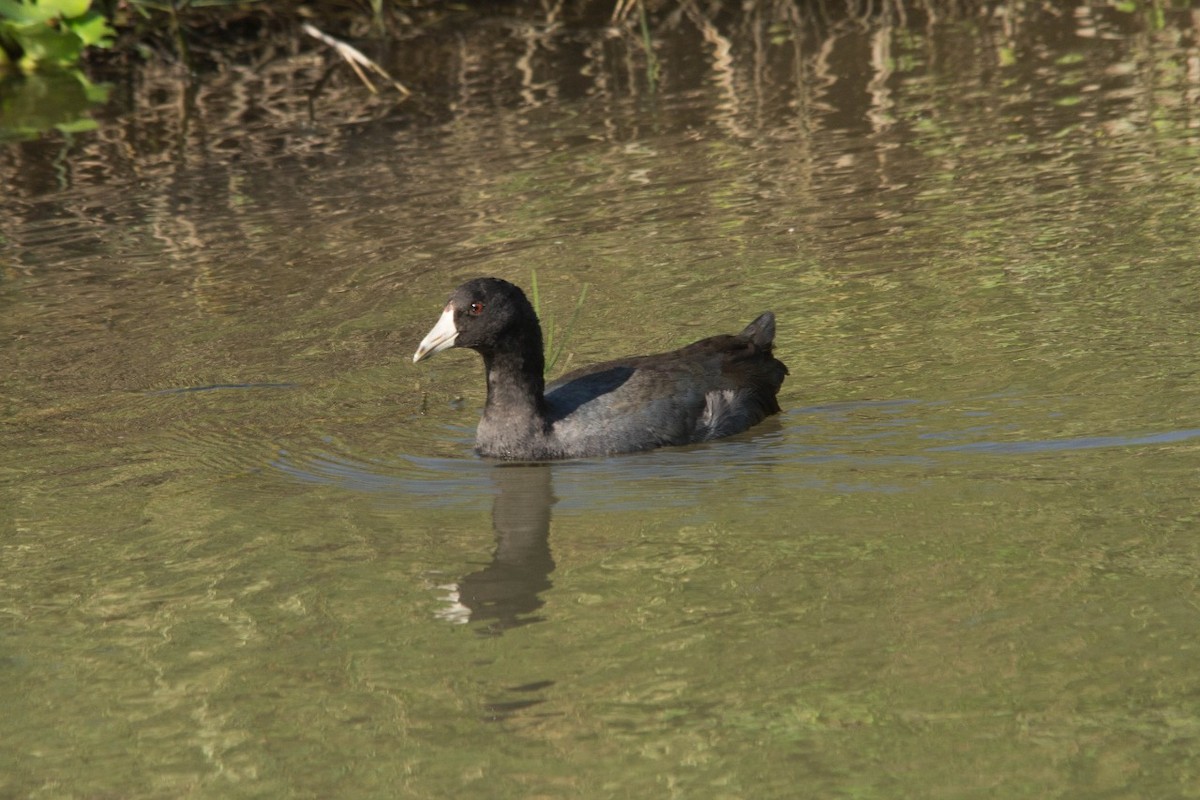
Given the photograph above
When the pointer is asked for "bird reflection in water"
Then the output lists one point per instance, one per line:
(506, 593)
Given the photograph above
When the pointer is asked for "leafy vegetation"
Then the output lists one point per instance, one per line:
(41, 34)
(41, 85)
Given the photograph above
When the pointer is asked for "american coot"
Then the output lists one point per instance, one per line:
(712, 388)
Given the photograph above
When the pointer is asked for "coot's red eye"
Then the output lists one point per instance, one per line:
(476, 309)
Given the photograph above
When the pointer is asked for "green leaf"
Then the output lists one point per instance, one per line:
(45, 45)
(42, 10)
(27, 13)
(78, 126)
(69, 8)
(51, 32)
(19, 12)
(92, 29)
(93, 93)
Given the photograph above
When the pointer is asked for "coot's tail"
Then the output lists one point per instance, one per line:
(761, 331)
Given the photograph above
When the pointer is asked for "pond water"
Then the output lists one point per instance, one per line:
(248, 551)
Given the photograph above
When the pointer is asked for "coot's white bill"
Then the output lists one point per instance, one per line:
(441, 337)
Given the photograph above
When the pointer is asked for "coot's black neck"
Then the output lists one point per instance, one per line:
(515, 380)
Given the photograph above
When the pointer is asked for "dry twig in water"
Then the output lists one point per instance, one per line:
(356, 60)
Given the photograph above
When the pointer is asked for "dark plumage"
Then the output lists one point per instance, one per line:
(712, 388)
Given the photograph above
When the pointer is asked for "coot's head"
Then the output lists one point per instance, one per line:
(483, 314)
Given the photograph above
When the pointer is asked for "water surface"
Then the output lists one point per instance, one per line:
(248, 551)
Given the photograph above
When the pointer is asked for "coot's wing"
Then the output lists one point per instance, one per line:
(712, 388)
